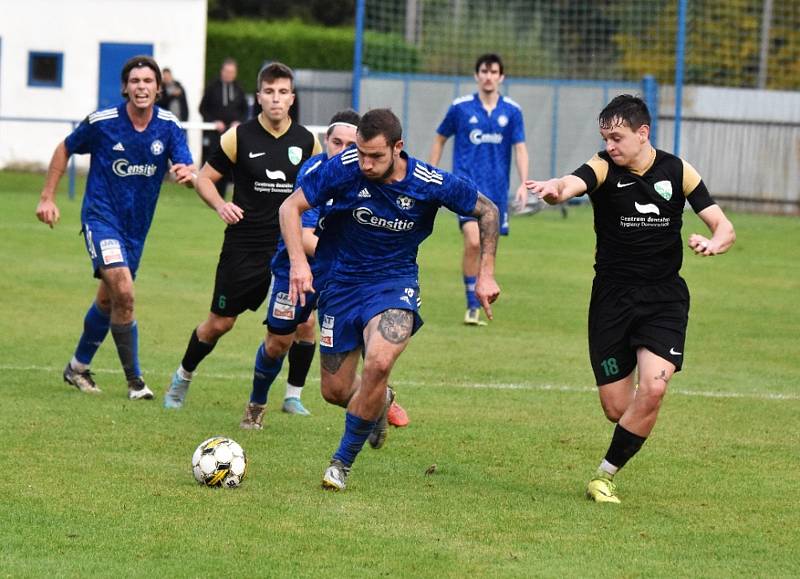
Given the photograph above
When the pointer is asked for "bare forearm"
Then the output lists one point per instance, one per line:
(436, 150)
(488, 228)
(56, 168)
(522, 160)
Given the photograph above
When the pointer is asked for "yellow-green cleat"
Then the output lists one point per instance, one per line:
(601, 489)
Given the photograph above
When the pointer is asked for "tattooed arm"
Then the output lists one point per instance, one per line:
(486, 288)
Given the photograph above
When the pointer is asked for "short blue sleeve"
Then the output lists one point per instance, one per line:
(457, 194)
(517, 128)
(449, 124)
(180, 151)
(322, 182)
(81, 140)
(310, 218)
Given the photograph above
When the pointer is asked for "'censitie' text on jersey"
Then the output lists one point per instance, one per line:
(378, 227)
(638, 217)
(483, 142)
(264, 167)
(127, 166)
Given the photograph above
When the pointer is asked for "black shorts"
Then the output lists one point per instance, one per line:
(623, 318)
(242, 281)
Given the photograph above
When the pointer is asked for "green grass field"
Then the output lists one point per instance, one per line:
(99, 486)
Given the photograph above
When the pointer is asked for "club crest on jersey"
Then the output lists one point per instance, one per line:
(156, 147)
(502, 120)
(664, 188)
(295, 155)
(404, 202)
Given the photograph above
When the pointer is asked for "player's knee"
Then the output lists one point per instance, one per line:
(378, 366)
(613, 413)
(122, 301)
(277, 346)
(215, 327)
(333, 392)
(652, 392)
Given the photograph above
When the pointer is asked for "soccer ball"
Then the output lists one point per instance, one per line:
(219, 462)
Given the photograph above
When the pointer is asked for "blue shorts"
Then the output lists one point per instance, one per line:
(462, 219)
(345, 310)
(283, 317)
(108, 248)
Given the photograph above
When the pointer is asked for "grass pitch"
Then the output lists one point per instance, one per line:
(99, 486)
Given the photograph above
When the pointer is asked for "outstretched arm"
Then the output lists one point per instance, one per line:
(558, 190)
(722, 233)
(47, 210)
(486, 288)
(300, 278)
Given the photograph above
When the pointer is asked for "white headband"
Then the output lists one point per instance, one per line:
(341, 124)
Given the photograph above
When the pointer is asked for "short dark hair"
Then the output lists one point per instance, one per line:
(348, 116)
(271, 72)
(380, 122)
(229, 60)
(140, 61)
(488, 59)
(625, 109)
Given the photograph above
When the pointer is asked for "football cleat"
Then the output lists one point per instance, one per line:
(176, 393)
(377, 437)
(473, 317)
(293, 405)
(253, 416)
(601, 489)
(138, 390)
(83, 381)
(397, 416)
(335, 477)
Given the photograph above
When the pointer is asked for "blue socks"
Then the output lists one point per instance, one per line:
(469, 289)
(95, 330)
(356, 431)
(264, 373)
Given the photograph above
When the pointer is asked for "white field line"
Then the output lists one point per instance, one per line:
(489, 386)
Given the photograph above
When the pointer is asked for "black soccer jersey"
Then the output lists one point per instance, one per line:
(264, 167)
(638, 217)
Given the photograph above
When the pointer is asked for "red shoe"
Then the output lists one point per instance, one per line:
(397, 416)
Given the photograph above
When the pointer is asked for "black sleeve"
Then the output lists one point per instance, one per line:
(700, 198)
(587, 175)
(220, 161)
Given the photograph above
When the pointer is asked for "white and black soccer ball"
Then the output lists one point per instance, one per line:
(219, 462)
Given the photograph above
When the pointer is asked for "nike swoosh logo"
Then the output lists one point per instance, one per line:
(254, 155)
(620, 185)
(674, 353)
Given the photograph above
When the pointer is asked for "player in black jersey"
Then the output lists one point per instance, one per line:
(264, 155)
(640, 304)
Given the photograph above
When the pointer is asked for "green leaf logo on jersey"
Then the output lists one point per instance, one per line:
(664, 188)
(295, 154)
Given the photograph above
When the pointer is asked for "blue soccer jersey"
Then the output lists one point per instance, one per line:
(280, 261)
(483, 143)
(127, 167)
(378, 227)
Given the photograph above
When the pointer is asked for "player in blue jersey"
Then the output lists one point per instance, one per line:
(382, 206)
(131, 146)
(487, 127)
(291, 328)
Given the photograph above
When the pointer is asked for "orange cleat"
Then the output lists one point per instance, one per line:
(397, 416)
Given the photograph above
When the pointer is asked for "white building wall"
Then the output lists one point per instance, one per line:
(76, 28)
